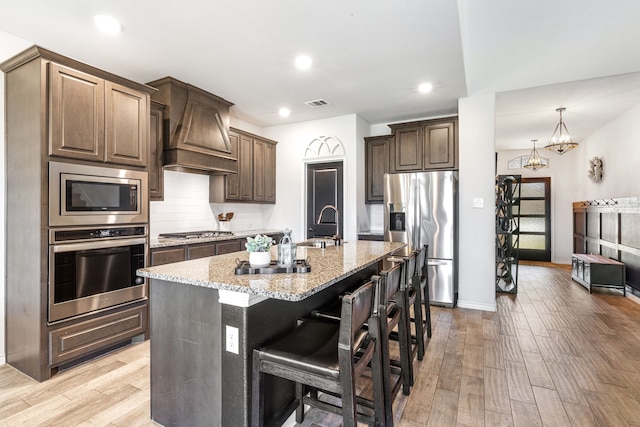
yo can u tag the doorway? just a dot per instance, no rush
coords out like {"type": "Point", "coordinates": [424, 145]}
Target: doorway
{"type": "Point", "coordinates": [324, 188]}
{"type": "Point", "coordinates": [535, 219]}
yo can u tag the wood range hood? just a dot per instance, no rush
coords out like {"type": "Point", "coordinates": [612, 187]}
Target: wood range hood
{"type": "Point", "coordinates": [197, 125]}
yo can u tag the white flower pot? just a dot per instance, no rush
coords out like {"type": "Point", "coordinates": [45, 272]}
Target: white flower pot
{"type": "Point", "coordinates": [259, 259]}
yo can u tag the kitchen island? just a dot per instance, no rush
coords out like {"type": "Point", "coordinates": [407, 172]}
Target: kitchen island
{"type": "Point", "coordinates": [205, 321]}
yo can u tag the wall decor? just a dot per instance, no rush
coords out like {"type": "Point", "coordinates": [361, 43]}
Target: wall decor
{"type": "Point", "coordinates": [595, 169]}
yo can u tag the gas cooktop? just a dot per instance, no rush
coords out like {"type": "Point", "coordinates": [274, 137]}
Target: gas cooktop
{"type": "Point", "coordinates": [195, 234]}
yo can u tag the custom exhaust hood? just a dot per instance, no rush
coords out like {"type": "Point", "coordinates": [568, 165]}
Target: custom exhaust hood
{"type": "Point", "coordinates": [198, 129]}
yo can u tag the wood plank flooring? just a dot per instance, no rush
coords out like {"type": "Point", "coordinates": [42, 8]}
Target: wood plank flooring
{"type": "Point", "coordinates": [552, 355]}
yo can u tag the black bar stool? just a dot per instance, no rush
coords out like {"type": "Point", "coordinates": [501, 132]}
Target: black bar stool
{"type": "Point", "coordinates": [328, 356]}
{"type": "Point", "coordinates": [391, 302]}
{"type": "Point", "coordinates": [411, 287]}
{"type": "Point", "coordinates": [423, 273]}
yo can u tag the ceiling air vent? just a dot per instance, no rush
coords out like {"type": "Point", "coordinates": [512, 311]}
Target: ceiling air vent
{"type": "Point", "coordinates": [316, 103]}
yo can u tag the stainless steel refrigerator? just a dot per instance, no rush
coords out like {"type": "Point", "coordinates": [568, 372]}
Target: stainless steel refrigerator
{"type": "Point", "coordinates": [422, 208]}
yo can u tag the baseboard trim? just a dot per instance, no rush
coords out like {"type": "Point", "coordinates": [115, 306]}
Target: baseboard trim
{"type": "Point", "coordinates": [3, 359]}
{"type": "Point", "coordinates": [476, 306]}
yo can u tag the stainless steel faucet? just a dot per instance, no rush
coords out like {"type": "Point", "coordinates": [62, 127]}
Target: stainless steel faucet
{"type": "Point", "coordinates": [319, 221]}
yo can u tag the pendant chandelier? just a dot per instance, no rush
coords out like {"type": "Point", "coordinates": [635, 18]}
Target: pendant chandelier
{"type": "Point", "coordinates": [534, 162]}
{"type": "Point", "coordinates": [561, 141]}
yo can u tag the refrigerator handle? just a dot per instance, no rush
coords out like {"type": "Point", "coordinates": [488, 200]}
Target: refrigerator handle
{"type": "Point", "coordinates": [416, 214]}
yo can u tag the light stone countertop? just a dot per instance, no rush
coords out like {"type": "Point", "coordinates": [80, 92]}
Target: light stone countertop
{"type": "Point", "coordinates": [328, 266]}
{"type": "Point", "coordinates": [155, 242]}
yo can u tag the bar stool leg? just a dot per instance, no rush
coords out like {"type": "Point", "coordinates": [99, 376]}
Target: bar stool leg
{"type": "Point", "coordinates": [419, 321]}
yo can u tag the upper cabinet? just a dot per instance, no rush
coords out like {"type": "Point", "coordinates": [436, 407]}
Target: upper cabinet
{"type": "Point", "coordinates": [376, 165]}
{"type": "Point", "coordinates": [413, 147]}
{"type": "Point", "coordinates": [425, 145]}
{"type": "Point", "coordinates": [95, 119]}
{"type": "Point", "coordinates": [255, 181]}
{"type": "Point", "coordinates": [156, 143]}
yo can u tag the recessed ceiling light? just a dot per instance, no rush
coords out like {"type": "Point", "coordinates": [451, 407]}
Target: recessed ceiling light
{"type": "Point", "coordinates": [425, 87]}
{"type": "Point", "coordinates": [284, 112]}
{"type": "Point", "coordinates": [107, 24]}
{"type": "Point", "coordinates": [303, 62]}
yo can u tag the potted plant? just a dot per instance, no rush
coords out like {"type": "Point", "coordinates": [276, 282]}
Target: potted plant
{"type": "Point", "coordinates": [258, 248]}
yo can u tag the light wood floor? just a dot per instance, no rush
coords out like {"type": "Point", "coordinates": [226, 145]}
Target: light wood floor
{"type": "Point", "coordinates": [552, 355]}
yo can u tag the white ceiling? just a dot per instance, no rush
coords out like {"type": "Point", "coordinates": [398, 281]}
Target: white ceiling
{"type": "Point", "coordinates": [369, 56]}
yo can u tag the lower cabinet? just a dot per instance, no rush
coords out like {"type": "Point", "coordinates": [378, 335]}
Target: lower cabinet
{"type": "Point", "coordinates": [168, 255]}
{"type": "Point", "coordinates": [71, 342]}
{"type": "Point", "coordinates": [229, 246]}
{"type": "Point", "coordinates": [201, 250]}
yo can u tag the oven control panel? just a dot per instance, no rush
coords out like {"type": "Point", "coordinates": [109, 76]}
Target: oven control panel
{"type": "Point", "coordinates": [97, 233]}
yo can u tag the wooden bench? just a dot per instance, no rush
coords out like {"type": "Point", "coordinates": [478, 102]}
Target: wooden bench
{"type": "Point", "coordinates": [597, 270]}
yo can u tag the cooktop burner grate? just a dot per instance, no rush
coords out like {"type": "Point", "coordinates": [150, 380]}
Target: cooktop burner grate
{"type": "Point", "coordinates": [195, 234]}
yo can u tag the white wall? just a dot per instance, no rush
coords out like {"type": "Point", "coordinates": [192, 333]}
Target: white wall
{"type": "Point", "coordinates": [476, 267]}
{"type": "Point", "coordinates": [9, 46]}
{"type": "Point", "coordinates": [293, 139]}
{"type": "Point", "coordinates": [565, 177]}
{"type": "Point", "coordinates": [618, 144]}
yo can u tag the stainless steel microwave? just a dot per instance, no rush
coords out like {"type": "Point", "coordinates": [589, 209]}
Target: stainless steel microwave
{"type": "Point", "coordinates": [96, 195]}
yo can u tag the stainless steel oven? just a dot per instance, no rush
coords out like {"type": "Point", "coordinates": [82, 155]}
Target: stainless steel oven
{"type": "Point", "coordinates": [95, 268]}
{"type": "Point", "coordinates": [95, 195]}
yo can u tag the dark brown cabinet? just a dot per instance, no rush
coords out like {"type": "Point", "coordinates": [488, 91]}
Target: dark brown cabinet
{"type": "Point", "coordinates": [96, 119]}
{"type": "Point", "coordinates": [226, 247]}
{"type": "Point", "coordinates": [201, 250]}
{"type": "Point", "coordinates": [425, 145]}
{"type": "Point", "coordinates": [376, 165]}
{"type": "Point", "coordinates": [184, 252]}
{"type": "Point", "coordinates": [168, 255]}
{"type": "Point", "coordinates": [264, 173]}
{"type": "Point", "coordinates": [156, 144]}
{"type": "Point", "coordinates": [255, 181]}
{"type": "Point", "coordinates": [58, 108]}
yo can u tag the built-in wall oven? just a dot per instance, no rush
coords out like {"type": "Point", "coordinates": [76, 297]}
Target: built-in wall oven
{"type": "Point", "coordinates": [93, 269]}
{"type": "Point", "coordinates": [98, 238]}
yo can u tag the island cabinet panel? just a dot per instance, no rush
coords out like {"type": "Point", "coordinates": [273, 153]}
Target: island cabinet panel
{"type": "Point", "coordinates": [96, 119]}
{"type": "Point", "coordinates": [77, 114]}
{"type": "Point", "coordinates": [186, 383]}
{"type": "Point", "coordinates": [168, 255]}
{"type": "Point", "coordinates": [156, 145]}
{"type": "Point", "coordinates": [255, 181]}
{"type": "Point", "coordinates": [376, 165]}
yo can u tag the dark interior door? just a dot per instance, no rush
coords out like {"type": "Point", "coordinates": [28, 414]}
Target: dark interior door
{"type": "Point", "coordinates": [535, 219]}
{"type": "Point", "coordinates": [324, 188]}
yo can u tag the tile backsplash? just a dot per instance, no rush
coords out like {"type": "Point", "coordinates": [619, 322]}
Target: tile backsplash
{"type": "Point", "coordinates": [186, 207]}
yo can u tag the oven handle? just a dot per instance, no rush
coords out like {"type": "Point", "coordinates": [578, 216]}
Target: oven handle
{"type": "Point", "coordinates": [102, 244]}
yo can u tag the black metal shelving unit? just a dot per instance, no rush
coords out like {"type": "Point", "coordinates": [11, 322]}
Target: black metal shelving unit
{"type": "Point", "coordinates": [507, 232]}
